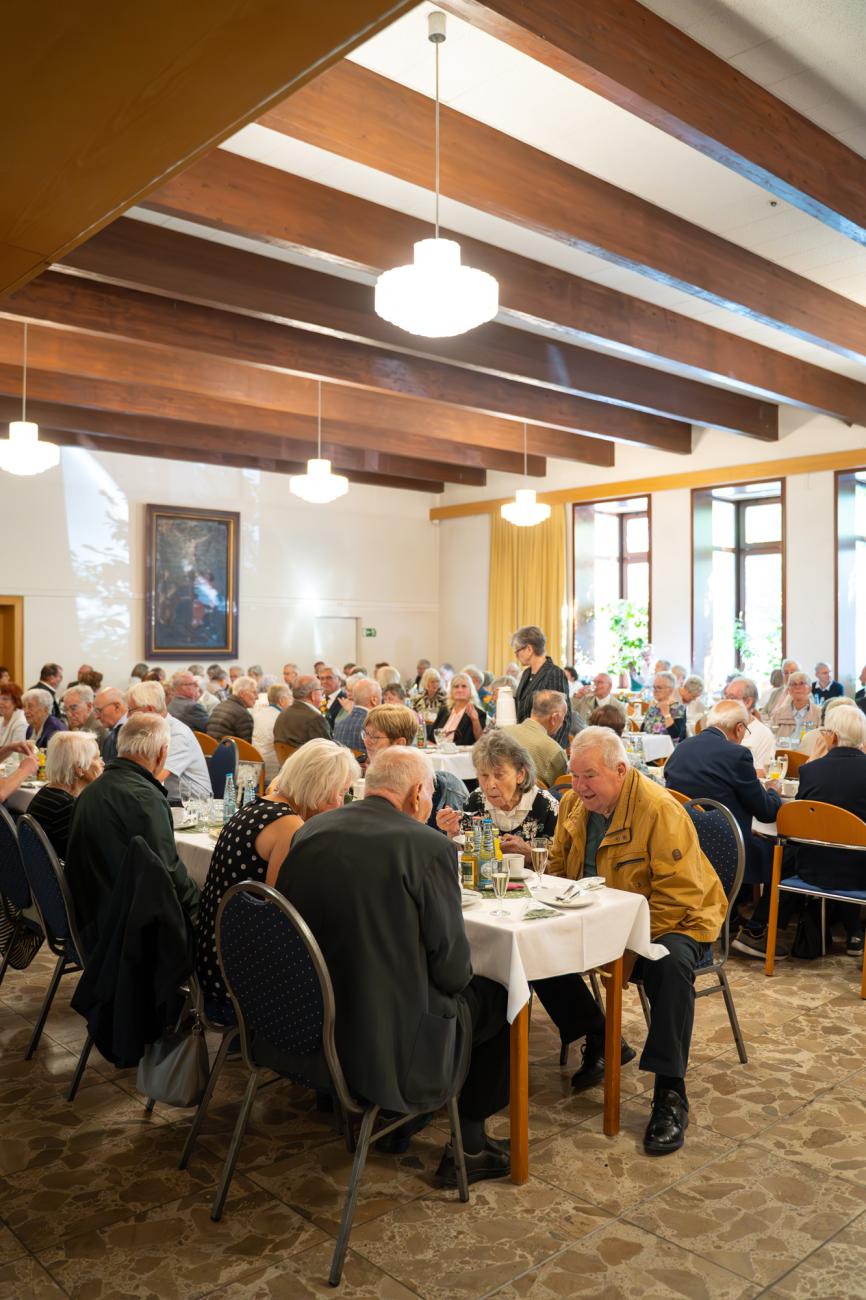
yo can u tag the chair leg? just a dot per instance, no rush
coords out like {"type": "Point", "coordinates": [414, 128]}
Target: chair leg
{"type": "Point", "coordinates": [79, 1069]}
{"type": "Point", "coordinates": [563, 1052]}
{"type": "Point", "coordinates": [16, 930]}
{"type": "Point", "coordinates": [352, 1195]}
{"type": "Point", "coordinates": [863, 978]}
{"type": "Point", "coordinates": [199, 1117]}
{"type": "Point", "coordinates": [59, 969]}
{"type": "Point", "coordinates": [644, 1002]}
{"type": "Point", "coordinates": [823, 927]}
{"type": "Point", "coordinates": [732, 1016]}
{"type": "Point", "coordinates": [237, 1137]}
{"type": "Point", "coordinates": [773, 919]}
{"type": "Point", "coordinates": [596, 990]}
{"type": "Point", "coordinates": [457, 1143]}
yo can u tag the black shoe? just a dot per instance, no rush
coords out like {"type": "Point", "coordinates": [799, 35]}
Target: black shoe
{"type": "Point", "coordinates": [669, 1120]}
{"type": "Point", "coordinates": [854, 945]}
{"type": "Point", "coordinates": [396, 1143]}
{"type": "Point", "coordinates": [493, 1162]}
{"type": "Point", "coordinates": [591, 1070]}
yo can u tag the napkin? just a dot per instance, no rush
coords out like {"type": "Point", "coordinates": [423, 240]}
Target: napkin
{"type": "Point", "coordinates": [536, 913]}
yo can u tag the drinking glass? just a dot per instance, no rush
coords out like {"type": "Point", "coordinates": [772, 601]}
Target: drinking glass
{"type": "Point", "coordinates": [539, 854]}
{"type": "Point", "coordinates": [777, 767]}
{"type": "Point", "coordinates": [439, 736]}
{"type": "Point", "coordinates": [500, 885]}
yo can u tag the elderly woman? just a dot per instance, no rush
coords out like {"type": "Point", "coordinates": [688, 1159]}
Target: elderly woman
{"type": "Point", "coordinates": [72, 763]}
{"type": "Point", "coordinates": [508, 794]}
{"type": "Point", "coordinates": [540, 673]}
{"type": "Point", "coordinates": [692, 696]}
{"type": "Point", "coordinates": [253, 844]}
{"type": "Point", "coordinates": [13, 724]}
{"type": "Point", "coordinates": [461, 717]}
{"type": "Point", "coordinates": [430, 700]}
{"type": "Point", "coordinates": [665, 714]}
{"type": "Point", "coordinates": [394, 694]}
{"type": "Point", "coordinates": [41, 723]}
{"type": "Point", "coordinates": [389, 725]}
{"type": "Point", "coordinates": [796, 713]}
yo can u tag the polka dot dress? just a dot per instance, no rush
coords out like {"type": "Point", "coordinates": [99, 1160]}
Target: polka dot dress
{"type": "Point", "coordinates": [234, 859]}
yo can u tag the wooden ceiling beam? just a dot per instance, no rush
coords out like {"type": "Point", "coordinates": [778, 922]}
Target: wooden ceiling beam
{"type": "Point", "coordinates": [138, 255]}
{"type": "Point", "coordinates": [164, 83]}
{"type": "Point", "coordinates": [624, 52]}
{"type": "Point", "coordinates": [110, 311]}
{"type": "Point", "coordinates": [358, 114]}
{"type": "Point", "coordinates": [226, 192]}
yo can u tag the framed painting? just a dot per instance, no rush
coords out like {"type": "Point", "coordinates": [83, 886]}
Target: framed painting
{"type": "Point", "coordinates": [191, 583]}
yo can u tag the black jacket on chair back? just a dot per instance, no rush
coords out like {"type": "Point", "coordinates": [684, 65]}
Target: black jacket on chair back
{"type": "Point", "coordinates": [838, 778]}
{"type": "Point", "coordinates": [380, 893]}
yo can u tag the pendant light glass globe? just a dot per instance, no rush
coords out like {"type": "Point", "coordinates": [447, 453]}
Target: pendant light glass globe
{"type": "Point", "coordinates": [524, 511]}
{"type": "Point", "coordinates": [22, 452]}
{"type": "Point", "coordinates": [318, 486]}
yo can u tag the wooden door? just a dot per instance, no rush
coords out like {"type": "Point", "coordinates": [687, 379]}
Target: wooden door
{"type": "Point", "coordinates": [12, 636]}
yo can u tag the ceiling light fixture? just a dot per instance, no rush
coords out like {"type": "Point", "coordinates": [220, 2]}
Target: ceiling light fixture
{"type": "Point", "coordinates": [436, 296]}
{"type": "Point", "coordinates": [318, 486]}
{"type": "Point", "coordinates": [524, 511]}
{"type": "Point", "coordinates": [22, 452]}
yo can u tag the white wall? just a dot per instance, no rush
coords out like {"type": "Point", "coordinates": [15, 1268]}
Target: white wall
{"type": "Point", "coordinates": [73, 546]}
{"type": "Point", "coordinates": [464, 566]}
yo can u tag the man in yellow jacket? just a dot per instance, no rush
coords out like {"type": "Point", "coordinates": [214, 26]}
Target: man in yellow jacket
{"type": "Point", "coordinates": [619, 824]}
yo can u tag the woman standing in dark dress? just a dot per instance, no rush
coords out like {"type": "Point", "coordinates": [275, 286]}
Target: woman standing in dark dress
{"type": "Point", "coordinates": [540, 673]}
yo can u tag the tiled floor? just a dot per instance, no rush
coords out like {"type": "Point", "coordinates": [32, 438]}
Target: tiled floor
{"type": "Point", "coordinates": [768, 1197]}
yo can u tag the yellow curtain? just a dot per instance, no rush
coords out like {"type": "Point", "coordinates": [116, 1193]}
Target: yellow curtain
{"type": "Point", "coordinates": [527, 584]}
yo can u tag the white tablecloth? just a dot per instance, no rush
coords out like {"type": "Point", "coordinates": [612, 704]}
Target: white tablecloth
{"type": "Point", "coordinates": [20, 800]}
{"type": "Point", "coordinates": [195, 850]}
{"type": "Point", "coordinates": [459, 764]}
{"type": "Point", "coordinates": [653, 746]}
{"type": "Point", "coordinates": [515, 952]}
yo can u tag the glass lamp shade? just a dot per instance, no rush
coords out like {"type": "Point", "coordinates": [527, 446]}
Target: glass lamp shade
{"type": "Point", "coordinates": [436, 296]}
{"type": "Point", "coordinates": [318, 486]}
{"type": "Point", "coordinates": [524, 511]}
{"type": "Point", "coordinates": [23, 453]}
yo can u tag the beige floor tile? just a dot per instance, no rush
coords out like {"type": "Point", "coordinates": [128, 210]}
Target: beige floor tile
{"type": "Point", "coordinates": [752, 1212]}
{"type": "Point", "coordinates": [829, 1134]}
{"type": "Point", "coordinates": [737, 1101]}
{"type": "Point", "coordinates": [445, 1250]}
{"type": "Point", "coordinates": [614, 1172]}
{"type": "Point", "coordinates": [10, 1246]}
{"type": "Point", "coordinates": [622, 1263]}
{"type": "Point", "coordinates": [26, 1279]}
{"type": "Point", "coordinates": [838, 1268]}
{"type": "Point", "coordinates": [177, 1252]}
{"type": "Point", "coordinates": [51, 1061]}
{"type": "Point", "coordinates": [304, 1277]}
{"type": "Point", "coordinates": [283, 1122]}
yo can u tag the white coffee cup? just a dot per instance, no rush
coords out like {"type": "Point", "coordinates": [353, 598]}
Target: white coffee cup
{"type": "Point", "coordinates": [358, 789]}
{"type": "Point", "coordinates": [790, 788]}
{"type": "Point", "coordinates": [515, 864]}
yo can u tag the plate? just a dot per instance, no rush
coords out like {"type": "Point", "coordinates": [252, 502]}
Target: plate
{"type": "Point", "coordinates": [469, 900]}
{"type": "Point", "coordinates": [549, 897]}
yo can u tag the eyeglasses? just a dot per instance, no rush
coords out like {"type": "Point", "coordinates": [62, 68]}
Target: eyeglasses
{"type": "Point", "coordinates": [372, 736]}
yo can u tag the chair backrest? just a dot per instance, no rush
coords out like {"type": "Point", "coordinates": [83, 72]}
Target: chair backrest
{"type": "Point", "coordinates": [721, 842]}
{"type": "Point", "coordinates": [13, 881]}
{"type": "Point", "coordinates": [699, 726]}
{"type": "Point", "coordinates": [682, 798]}
{"type": "Point", "coordinates": [277, 979]}
{"type": "Point", "coordinates": [207, 743]}
{"type": "Point", "coordinates": [49, 888]}
{"type": "Point", "coordinates": [795, 760]}
{"type": "Point", "coordinates": [820, 823]}
{"type": "Point", "coordinates": [252, 759]}
{"type": "Point", "coordinates": [284, 751]}
{"type": "Point", "coordinates": [220, 763]}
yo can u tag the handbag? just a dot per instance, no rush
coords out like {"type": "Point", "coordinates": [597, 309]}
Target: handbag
{"type": "Point", "coordinates": [175, 1069]}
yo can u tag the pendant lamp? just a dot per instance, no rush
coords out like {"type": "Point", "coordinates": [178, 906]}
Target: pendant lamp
{"type": "Point", "coordinates": [524, 511]}
{"type": "Point", "coordinates": [318, 486]}
{"type": "Point", "coordinates": [436, 296]}
{"type": "Point", "coordinates": [22, 452]}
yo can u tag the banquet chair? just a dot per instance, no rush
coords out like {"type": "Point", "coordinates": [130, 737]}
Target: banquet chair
{"type": "Point", "coordinates": [795, 761]}
{"type": "Point", "coordinates": [14, 887]}
{"type": "Point", "coordinates": [227, 1032]}
{"type": "Point", "coordinates": [57, 914]}
{"type": "Point", "coordinates": [681, 798]}
{"type": "Point", "coordinates": [222, 763]}
{"type": "Point", "coordinates": [822, 825]}
{"type": "Point", "coordinates": [284, 751]}
{"type": "Point", "coordinates": [248, 754]}
{"type": "Point", "coordinates": [283, 998]}
{"type": "Point", "coordinates": [207, 743]}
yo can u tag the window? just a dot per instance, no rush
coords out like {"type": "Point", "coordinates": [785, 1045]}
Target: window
{"type": "Point", "coordinates": [611, 564]}
{"type": "Point", "coordinates": [851, 573]}
{"type": "Point", "coordinates": [738, 580]}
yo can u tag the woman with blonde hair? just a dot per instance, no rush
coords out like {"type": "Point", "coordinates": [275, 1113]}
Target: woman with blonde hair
{"type": "Point", "coordinates": [461, 717]}
{"type": "Point", "coordinates": [72, 762]}
{"type": "Point", "coordinates": [430, 699]}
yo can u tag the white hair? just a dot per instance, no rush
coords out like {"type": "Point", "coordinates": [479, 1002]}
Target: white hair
{"type": "Point", "coordinates": [40, 698]}
{"type": "Point", "coordinates": [397, 769]}
{"type": "Point", "coordinates": [800, 679]}
{"type": "Point", "coordinates": [146, 695]}
{"type": "Point", "coordinates": [467, 681]}
{"type": "Point", "coordinates": [694, 684]}
{"type": "Point", "coordinates": [316, 775]}
{"type": "Point", "coordinates": [474, 672]}
{"type": "Point", "coordinates": [84, 693]}
{"type": "Point", "coordinates": [69, 755]}
{"type": "Point", "coordinates": [607, 742]}
{"type": "Point", "coordinates": [144, 735]}
{"type": "Point", "coordinates": [848, 724]}
{"type": "Point", "coordinates": [428, 676]}
{"type": "Point", "coordinates": [666, 677]}
{"type": "Point", "coordinates": [727, 715]}
{"type": "Point", "coordinates": [388, 675]}
{"type": "Point", "coordinates": [366, 690]}
{"type": "Point", "coordinates": [244, 684]}
{"type": "Point", "coordinates": [279, 691]}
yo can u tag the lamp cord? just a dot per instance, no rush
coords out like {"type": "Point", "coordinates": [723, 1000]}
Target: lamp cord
{"type": "Point", "coordinates": [525, 462]}
{"type": "Point", "coordinates": [436, 185]}
{"type": "Point", "coordinates": [319, 418]}
{"type": "Point", "coordinates": [24, 379]}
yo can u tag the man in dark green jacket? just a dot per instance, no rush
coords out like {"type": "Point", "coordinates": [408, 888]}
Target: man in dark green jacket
{"type": "Point", "coordinates": [127, 800]}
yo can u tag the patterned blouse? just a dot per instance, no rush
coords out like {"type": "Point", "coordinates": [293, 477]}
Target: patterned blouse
{"type": "Point", "coordinates": [234, 859]}
{"type": "Point", "coordinates": [654, 721]}
{"type": "Point", "coordinates": [533, 818]}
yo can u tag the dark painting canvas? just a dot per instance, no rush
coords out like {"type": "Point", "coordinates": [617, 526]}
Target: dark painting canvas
{"type": "Point", "coordinates": [192, 566]}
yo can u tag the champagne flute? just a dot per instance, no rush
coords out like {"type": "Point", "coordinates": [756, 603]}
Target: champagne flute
{"type": "Point", "coordinates": [500, 885]}
{"type": "Point", "coordinates": [539, 855]}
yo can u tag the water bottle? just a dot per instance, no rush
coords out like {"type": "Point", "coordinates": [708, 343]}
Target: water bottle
{"type": "Point", "coordinates": [229, 799]}
{"type": "Point", "coordinates": [249, 794]}
{"type": "Point", "coordinates": [421, 736]}
{"type": "Point", "coordinates": [487, 856]}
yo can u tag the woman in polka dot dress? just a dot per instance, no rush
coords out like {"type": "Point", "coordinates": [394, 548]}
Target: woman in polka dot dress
{"type": "Point", "coordinates": [254, 843]}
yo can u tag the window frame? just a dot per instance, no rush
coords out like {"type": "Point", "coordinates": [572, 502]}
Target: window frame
{"type": "Point", "coordinates": [838, 475]}
{"type": "Point", "coordinates": [639, 557]}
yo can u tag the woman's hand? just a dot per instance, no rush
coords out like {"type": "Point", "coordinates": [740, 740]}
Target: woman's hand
{"type": "Point", "coordinates": [346, 703]}
{"type": "Point", "coordinates": [514, 844]}
{"type": "Point", "coordinates": [29, 765]}
{"type": "Point", "coordinates": [448, 820]}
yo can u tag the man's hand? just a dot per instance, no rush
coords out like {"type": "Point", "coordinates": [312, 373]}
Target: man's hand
{"type": "Point", "coordinates": [514, 844]}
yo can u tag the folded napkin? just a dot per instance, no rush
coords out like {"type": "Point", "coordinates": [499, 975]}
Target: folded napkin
{"type": "Point", "coordinates": [537, 913]}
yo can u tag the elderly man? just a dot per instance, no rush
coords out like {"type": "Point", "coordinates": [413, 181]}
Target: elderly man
{"type": "Point", "coordinates": [420, 669]}
{"type": "Point", "coordinates": [109, 709]}
{"type": "Point", "coordinates": [233, 716]}
{"type": "Point", "coordinates": [291, 673]}
{"type": "Point", "coordinates": [621, 825]}
{"type": "Point", "coordinates": [535, 734]}
{"type": "Point", "coordinates": [692, 696]}
{"type": "Point", "coordinates": [824, 687]}
{"type": "Point", "coordinates": [759, 739]}
{"type": "Point", "coordinates": [587, 699]}
{"type": "Point", "coordinates": [407, 1004]}
{"type": "Point", "coordinates": [796, 711]}
{"type": "Point", "coordinates": [49, 680]}
{"type": "Point", "coordinates": [332, 693]}
{"type": "Point", "coordinates": [185, 758]}
{"type": "Point", "coordinates": [185, 703]}
{"type": "Point", "coordinates": [78, 707]}
{"type": "Point", "coordinates": [303, 719]}
{"type": "Point", "coordinates": [127, 800]}
{"type": "Point", "coordinates": [349, 729]}
{"type": "Point", "coordinates": [215, 688]}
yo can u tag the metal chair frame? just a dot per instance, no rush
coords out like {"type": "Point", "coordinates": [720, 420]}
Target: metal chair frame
{"type": "Point", "coordinates": [352, 1109]}
{"type": "Point", "coordinates": [226, 743]}
{"type": "Point", "coordinates": [17, 891]}
{"type": "Point", "coordinates": [58, 943]}
{"type": "Point", "coordinates": [227, 1033]}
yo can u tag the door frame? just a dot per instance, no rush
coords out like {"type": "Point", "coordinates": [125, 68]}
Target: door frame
{"type": "Point", "coordinates": [16, 668]}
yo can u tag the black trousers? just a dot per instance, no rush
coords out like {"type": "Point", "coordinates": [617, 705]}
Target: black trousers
{"type": "Point", "coordinates": [485, 1089]}
{"type": "Point", "coordinates": [670, 988]}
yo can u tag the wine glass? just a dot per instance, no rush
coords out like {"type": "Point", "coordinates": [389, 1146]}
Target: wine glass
{"type": "Point", "coordinates": [539, 854]}
{"type": "Point", "coordinates": [500, 885]}
{"type": "Point", "coordinates": [439, 737]}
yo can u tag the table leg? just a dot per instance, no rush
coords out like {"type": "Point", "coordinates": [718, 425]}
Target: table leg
{"type": "Point", "coordinates": [519, 1066]}
{"type": "Point", "coordinates": [612, 1049]}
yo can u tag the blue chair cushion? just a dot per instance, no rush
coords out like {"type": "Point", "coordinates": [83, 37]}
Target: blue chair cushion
{"type": "Point", "coordinates": [794, 882]}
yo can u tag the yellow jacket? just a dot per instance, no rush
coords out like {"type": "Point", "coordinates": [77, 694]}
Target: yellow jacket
{"type": "Point", "coordinates": [651, 848]}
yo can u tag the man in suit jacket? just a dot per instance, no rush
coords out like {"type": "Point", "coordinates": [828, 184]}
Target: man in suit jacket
{"type": "Point", "coordinates": [49, 680]}
{"type": "Point", "coordinates": [332, 693]}
{"type": "Point", "coordinates": [303, 719]}
{"type": "Point", "coordinates": [717, 765]}
{"type": "Point", "coordinates": [379, 890]}
{"type": "Point", "coordinates": [185, 703]}
{"type": "Point", "coordinates": [109, 708]}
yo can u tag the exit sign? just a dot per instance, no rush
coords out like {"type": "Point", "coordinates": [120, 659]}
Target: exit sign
{"type": "Point", "coordinates": [368, 631]}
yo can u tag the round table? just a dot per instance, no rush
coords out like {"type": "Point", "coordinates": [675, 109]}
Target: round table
{"type": "Point", "coordinates": [459, 764]}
